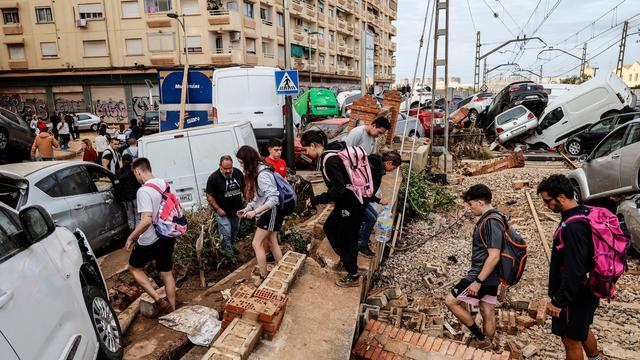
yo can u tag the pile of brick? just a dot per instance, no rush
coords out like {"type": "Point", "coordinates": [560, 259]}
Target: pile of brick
{"type": "Point", "coordinates": [251, 313]}
{"type": "Point", "coordinates": [385, 341]}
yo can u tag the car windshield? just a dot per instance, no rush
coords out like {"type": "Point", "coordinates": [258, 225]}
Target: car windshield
{"type": "Point", "coordinates": [511, 114]}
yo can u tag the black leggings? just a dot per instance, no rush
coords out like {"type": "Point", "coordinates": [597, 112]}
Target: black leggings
{"type": "Point", "coordinates": [343, 229]}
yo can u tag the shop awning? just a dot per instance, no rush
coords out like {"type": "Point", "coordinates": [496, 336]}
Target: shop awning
{"type": "Point", "coordinates": [300, 51]}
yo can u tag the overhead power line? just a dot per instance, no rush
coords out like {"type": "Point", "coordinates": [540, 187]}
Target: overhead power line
{"type": "Point", "coordinates": [497, 16]}
{"type": "Point", "coordinates": [590, 24]}
{"type": "Point", "coordinates": [475, 30]}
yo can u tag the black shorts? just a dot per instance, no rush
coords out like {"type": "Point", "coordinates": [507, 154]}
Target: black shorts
{"type": "Point", "coordinates": [486, 293]}
{"type": "Point", "coordinates": [575, 319]}
{"type": "Point", "coordinates": [161, 251]}
{"type": "Point", "coordinates": [272, 219]}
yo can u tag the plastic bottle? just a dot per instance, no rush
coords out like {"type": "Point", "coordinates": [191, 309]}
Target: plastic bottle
{"type": "Point", "coordinates": [384, 226]}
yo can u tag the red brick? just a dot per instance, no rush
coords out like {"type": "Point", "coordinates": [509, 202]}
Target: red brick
{"type": "Point", "coordinates": [478, 354]}
{"type": "Point", "coordinates": [487, 355]}
{"type": "Point", "coordinates": [460, 351]}
{"type": "Point", "coordinates": [387, 331]}
{"type": "Point", "coordinates": [243, 292]}
{"type": "Point", "coordinates": [400, 335]}
{"type": "Point", "coordinates": [383, 355]}
{"type": "Point", "coordinates": [423, 339]}
{"type": "Point", "coordinates": [394, 332]}
{"type": "Point", "coordinates": [407, 336]}
{"type": "Point", "coordinates": [373, 341]}
{"type": "Point", "coordinates": [436, 345]}
{"type": "Point", "coordinates": [452, 349]}
{"type": "Point", "coordinates": [429, 343]}
{"type": "Point", "coordinates": [359, 347]}
{"type": "Point", "coordinates": [272, 327]}
{"type": "Point", "coordinates": [414, 339]}
{"type": "Point", "coordinates": [272, 296]}
{"type": "Point", "coordinates": [468, 353]}
{"type": "Point", "coordinates": [505, 355]}
{"type": "Point", "coordinates": [370, 325]}
{"type": "Point", "coordinates": [398, 357]}
{"type": "Point", "coordinates": [444, 347]}
{"type": "Point", "coordinates": [376, 327]}
{"type": "Point", "coordinates": [390, 356]}
{"type": "Point", "coordinates": [369, 353]}
{"type": "Point", "coordinates": [376, 353]}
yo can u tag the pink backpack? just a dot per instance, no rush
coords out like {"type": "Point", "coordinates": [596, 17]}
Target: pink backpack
{"type": "Point", "coordinates": [610, 246]}
{"type": "Point", "coordinates": [356, 163]}
{"type": "Point", "coordinates": [170, 221]}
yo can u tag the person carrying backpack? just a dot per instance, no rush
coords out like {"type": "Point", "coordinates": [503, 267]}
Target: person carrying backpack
{"type": "Point", "coordinates": [161, 221]}
{"type": "Point", "coordinates": [268, 205]}
{"type": "Point", "coordinates": [480, 286]}
{"type": "Point", "coordinates": [347, 190]}
{"type": "Point", "coordinates": [577, 280]}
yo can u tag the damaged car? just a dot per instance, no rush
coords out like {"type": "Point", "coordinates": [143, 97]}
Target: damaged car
{"type": "Point", "coordinates": [526, 93]}
{"type": "Point", "coordinates": [629, 213]}
{"type": "Point", "coordinates": [514, 122]}
{"type": "Point", "coordinates": [584, 142]}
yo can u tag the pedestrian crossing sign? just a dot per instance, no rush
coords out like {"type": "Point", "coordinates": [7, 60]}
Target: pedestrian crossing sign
{"type": "Point", "coordinates": [287, 82]}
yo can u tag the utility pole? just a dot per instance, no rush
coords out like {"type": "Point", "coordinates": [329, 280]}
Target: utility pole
{"type": "Point", "coordinates": [441, 5]}
{"type": "Point", "coordinates": [623, 45]}
{"type": "Point", "coordinates": [476, 74]}
{"type": "Point", "coordinates": [363, 51]}
{"type": "Point", "coordinates": [540, 73]}
{"type": "Point", "coordinates": [583, 62]}
{"type": "Point", "coordinates": [484, 72]}
{"type": "Point", "coordinates": [289, 155]}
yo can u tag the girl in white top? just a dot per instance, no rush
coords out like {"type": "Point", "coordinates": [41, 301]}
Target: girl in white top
{"type": "Point", "coordinates": [64, 133]}
{"type": "Point", "coordinates": [102, 140]}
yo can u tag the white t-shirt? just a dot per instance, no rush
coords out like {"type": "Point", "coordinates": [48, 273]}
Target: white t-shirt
{"type": "Point", "coordinates": [360, 137]}
{"type": "Point", "coordinates": [148, 200]}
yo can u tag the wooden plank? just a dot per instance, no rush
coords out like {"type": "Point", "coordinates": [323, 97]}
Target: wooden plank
{"type": "Point", "coordinates": [534, 213]}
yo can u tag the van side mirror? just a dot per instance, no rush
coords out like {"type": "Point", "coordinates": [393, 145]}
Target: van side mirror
{"type": "Point", "coordinates": [36, 223]}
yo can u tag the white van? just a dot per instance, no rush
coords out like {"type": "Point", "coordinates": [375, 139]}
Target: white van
{"type": "Point", "coordinates": [554, 91]}
{"type": "Point", "coordinates": [186, 158]}
{"type": "Point", "coordinates": [248, 93]}
{"type": "Point", "coordinates": [581, 107]}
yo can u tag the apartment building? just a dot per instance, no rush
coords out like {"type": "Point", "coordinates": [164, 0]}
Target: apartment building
{"type": "Point", "coordinates": [84, 55]}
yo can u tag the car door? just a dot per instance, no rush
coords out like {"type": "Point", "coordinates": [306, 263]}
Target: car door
{"type": "Point", "coordinates": [34, 306]}
{"type": "Point", "coordinates": [6, 350]}
{"type": "Point", "coordinates": [593, 135]}
{"type": "Point", "coordinates": [629, 159]}
{"type": "Point", "coordinates": [603, 169]}
{"type": "Point", "coordinates": [102, 201]}
{"type": "Point", "coordinates": [84, 121]}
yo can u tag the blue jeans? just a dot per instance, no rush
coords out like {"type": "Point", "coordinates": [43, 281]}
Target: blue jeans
{"type": "Point", "coordinates": [369, 220]}
{"type": "Point", "coordinates": [228, 226]}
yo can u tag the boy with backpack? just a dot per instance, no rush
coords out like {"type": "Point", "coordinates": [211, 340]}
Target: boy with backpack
{"type": "Point", "coordinates": [577, 279]}
{"type": "Point", "coordinates": [161, 221]}
{"type": "Point", "coordinates": [491, 237]}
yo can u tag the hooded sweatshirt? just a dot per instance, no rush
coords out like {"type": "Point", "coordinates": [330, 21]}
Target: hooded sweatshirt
{"type": "Point", "coordinates": [266, 190]}
{"type": "Point", "coordinates": [44, 143]}
{"type": "Point", "coordinates": [336, 178]}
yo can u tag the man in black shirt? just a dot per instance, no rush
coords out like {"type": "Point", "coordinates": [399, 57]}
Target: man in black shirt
{"type": "Point", "coordinates": [572, 304]}
{"type": "Point", "coordinates": [480, 286]}
{"type": "Point", "coordinates": [224, 193]}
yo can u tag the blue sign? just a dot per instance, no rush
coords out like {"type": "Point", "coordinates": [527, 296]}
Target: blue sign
{"type": "Point", "coordinates": [199, 100]}
{"type": "Point", "coordinates": [287, 82]}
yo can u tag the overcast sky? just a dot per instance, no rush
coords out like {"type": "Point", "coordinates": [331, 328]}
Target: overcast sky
{"type": "Point", "coordinates": [569, 17]}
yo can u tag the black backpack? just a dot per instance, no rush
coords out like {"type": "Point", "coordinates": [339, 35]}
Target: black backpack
{"type": "Point", "coordinates": [513, 254]}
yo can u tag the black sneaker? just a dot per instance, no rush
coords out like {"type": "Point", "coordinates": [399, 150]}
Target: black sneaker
{"type": "Point", "coordinates": [270, 258]}
{"type": "Point", "coordinates": [349, 281]}
{"type": "Point", "coordinates": [366, 251]}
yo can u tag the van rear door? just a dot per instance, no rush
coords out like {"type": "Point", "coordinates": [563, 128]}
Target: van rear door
{"type": "Point", "coordinates": [622, 90]}
{"type": "Point", "coordinates": [170, 157]}
{"type": "Point", "coordinates": [265, 107]}
{"type": "Point", "coordinates": [231, 95]}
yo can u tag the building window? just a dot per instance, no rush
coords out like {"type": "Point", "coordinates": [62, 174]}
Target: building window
{"type": "Point", "coordinates": [194, 44]}
{"type": "Point", "coordinates": [44, 15]}
{"type": "Point", "coordinates": [321, 33]}
{"type": "Point", "coordinates": [130, 9]}
{"type": "Point", "coordinates": [321, 8]}
{"type": "Point", "coordinates": [251, 46]}
{"type": "Point", "coordinates": [331, 11]}
{"type": "Point", "coordinates": [134, 46]}
{"type": "Point", "coordinates": [10, 16]}
{"type": "Point", "coordinates": [161, 41]}
{"type": "Point", "coordinates": [155, 6]}
{"type": "Point", "coordinates": [16, 51]}
{"type": "Point", "coordinates": [281, 52]}
{"type": "Point", "coordinates": [265, 15]}
{"type": "Point", "coordinates": [280, 17]}
{"type": "Point", "coordinates": [219, 44]}
{"type": "Point", "coordinates": [321, 59]}
{"type": "Point", "coordinates": [95, 48]}
{"type": "Point", "coordinates": [49, 49]}
{"type": "Point", "coordinates": [90, 11]}
{"type": "Point", "coordinates": [332, 60]}
{"type": "Point", "coordinates": [232, 5]}
{"type": "Point", "coordinates": [190, 7]}
{"type": "Point", "coordinates": [248, 10]}
{"type": "Point", "coordinates": [332, 36]}
{"type": "Point", "coordinates": [267, 51]}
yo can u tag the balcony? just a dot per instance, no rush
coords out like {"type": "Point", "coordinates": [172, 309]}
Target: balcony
{"type": "Point", "coordinates": [268, 2]}
{"type": "Point", "coordinates": [280, 3]}
{"type": "Point", "coordinates": [342, 48]}
{"type": "Point", "coordinates": [343, 3]}
{"type": "Point", "coordinates": [280, 32]}
{"type": "Point", "coordinates": [12, 29]}
{"type": "Point", "coordinates": [225, 20]}
{"type": "Point", "coordinates": [342, 69]}
{"type": "Point", "coordinates": [310, 11]}
{"type": "Point", "coordinates": [393, 30]}
{"type": "Point", "coordinates": [21, 64]}
{"type": "Point", "coordinates": [297, 8]}
{"type": "Point", "coordinates": [251, 59]}
{"type": "Point", "coordinates": [342, 25]}
{"type": "Point", "coordinates": [393, 46]}
{"type": "Point", "coordinates": [299, 36]}
{"type": "Point", "coordinates": [331, 2]}
{"type": "Point", "coordinates": [163, 59]}
{"type": "Point", "coordinates": [226, 57]}
{"type": "Point", "coordinates": [299, 64]}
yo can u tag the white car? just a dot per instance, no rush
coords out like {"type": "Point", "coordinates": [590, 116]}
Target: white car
{"type": "Point", "coordinates": [514, 122]}
{"type": "Point", "coordinates": [88, 121]}
{"type": "Point", "coordinates": [476, 104]}
{"type": "Point", "coordinates": [418, 97]}
{"type": "Point", "coordinates": [53, 298]}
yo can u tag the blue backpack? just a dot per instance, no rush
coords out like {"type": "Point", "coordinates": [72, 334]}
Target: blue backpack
{"type": "Point", "coordinates": [286, 194]}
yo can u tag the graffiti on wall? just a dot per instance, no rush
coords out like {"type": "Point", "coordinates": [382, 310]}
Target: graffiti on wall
{"type": "Point", "coordinates": [111, 109]}
{"type": "Point", "coordinates": [70, 106]}
{"type": "Point", "coordinates": [141, 104]}
{"type": "Point", "coordinates": [19, 104]}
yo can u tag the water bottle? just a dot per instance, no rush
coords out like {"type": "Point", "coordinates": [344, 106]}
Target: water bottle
{"type": "Point", "coordinates": [384, 225]}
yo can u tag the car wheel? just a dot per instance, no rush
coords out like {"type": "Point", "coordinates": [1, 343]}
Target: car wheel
{"type": "Point", "coordinates": [578, 191]}
{"type": "Point", "coordinates": [4, 139]}
{"type": "Point", "coordinates": [574, 148]}
{"type": "Point", "coordinates": [412, 133]}
{"type": "Point", "coordinates": [473, 116]}
{"type": "Point", "coordinates": [105, 323]}
{"type": "Point", "coordinates": [94, 127]}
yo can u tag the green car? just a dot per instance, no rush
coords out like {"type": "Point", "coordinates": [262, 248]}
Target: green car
{"type": "Point", "coordinates": [317, 103]}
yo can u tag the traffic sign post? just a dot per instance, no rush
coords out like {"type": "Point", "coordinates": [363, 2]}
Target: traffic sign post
{"type": "Point", "coordinates": [287, 84]}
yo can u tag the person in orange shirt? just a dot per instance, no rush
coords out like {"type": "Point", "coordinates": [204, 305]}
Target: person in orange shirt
{"type": "Point", "coordinates": [275, 152]}
{"type": "Point", "coordinates": [44, 144]}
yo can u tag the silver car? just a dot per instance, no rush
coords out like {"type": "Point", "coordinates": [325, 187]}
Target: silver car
{"type": "Point", "coordinates": [88, 121]}
{"type": "Point", "coordinates": [629, 210]}
{"type": "Point", "coordinates": [613, 167]}
{"type": "Point", "coordinates": [409, 125]}
{"type": "Point", "coordinates": [77, 194]}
